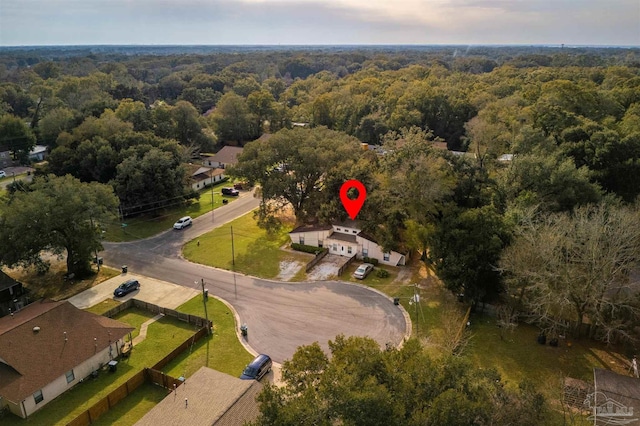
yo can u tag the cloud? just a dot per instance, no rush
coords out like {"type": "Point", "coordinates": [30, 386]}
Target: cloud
{"type": "Point", "coordinates": [319, 22]}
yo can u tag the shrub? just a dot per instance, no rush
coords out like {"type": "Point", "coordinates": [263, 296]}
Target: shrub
{"type": "Point", "coordinates": [307, 249]}
{"type": "Point", "coordinates": [382, 273]}
{"type": "Point", "coordinates": [370, 260]}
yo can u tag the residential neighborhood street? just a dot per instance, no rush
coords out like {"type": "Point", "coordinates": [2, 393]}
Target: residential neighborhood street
{"type": "Point", "coordinates": [280, 316]}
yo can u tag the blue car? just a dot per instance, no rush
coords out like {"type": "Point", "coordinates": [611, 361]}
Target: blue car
{"type": "Point", "coordinates": [260, 366]}
{"type": "Point", "coordinates": [126, 288]}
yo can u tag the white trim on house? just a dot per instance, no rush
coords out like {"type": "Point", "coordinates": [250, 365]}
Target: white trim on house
{"type": "Point", "coordinates": [346, 240]}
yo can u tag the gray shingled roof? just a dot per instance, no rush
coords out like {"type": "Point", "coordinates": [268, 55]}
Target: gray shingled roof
{"type": "Point", "coordinates": [214, 398]}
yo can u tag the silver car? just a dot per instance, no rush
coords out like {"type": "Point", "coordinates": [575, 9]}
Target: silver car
{"type": "Point", "coordinates": [362, 271]}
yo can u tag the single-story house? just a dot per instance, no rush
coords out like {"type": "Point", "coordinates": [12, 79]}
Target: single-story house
{"type": "Point", "coordinates": [38, 153]}
{"type": "Point", "coordinates": [227, 156]}
{"type": "Point", "coordinates": [205, 176]}
{"type": "Point", "coordinates": [345, 239]}
{"type": "Point", "coordinates": [48, 347]}
{"type": "Point", "coordinates": [12, 295]}
{"type": "Point", "coordinates": [5, 157]}
{"type": "Point", "coordinates": [207, 398]}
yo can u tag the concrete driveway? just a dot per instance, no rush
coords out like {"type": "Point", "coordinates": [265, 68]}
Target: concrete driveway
{"type": "Point", "coordinates": [154, 291]}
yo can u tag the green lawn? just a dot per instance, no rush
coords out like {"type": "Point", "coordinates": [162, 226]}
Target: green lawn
{"type": "Point", "coordinates": [146, 226]}
{"type": "Point", "coordinates": [163, 336]}
{"type": "Point", "coordinates": [134, 406]}
{"type": "Point", "coordinates": [222, 351]}
{"type": "Point", "coordinates": [518, 356]}
{"type": "Point", "coordinates": [257, 252]}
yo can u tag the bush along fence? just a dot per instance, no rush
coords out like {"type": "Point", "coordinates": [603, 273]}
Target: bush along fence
{"type": "Point", "coordinates": [149, 375]}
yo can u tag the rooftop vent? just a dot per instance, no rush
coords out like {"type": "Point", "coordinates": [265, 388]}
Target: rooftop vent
{"type": "Point", "coordinates": [36, 329]}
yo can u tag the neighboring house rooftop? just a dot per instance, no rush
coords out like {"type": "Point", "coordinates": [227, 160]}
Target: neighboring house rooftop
{"type": "Point", "coordinates": [310, 228]}
{"type": "Point", "coordinates": [6, 281]}
{"type": "Point", "coordinates": [350, 238]}
{"type": "Point", "coordinates": [213, 398]}
{"type": "Point", "coordinates": [38, 149]}
{"type": "Point", "coordinates": [31, 358]}
{"type": "Point", "coordinates": [623, 389]}
{"type": "Point", "coordinates": [228, 155]}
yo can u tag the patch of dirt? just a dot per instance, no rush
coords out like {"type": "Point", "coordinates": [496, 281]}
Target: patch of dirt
{"type": "Point", "coordinates": [288, 269]}
{"type": "Point", "coordinates": [323, 271]}
{"type": "Point", "coordinates": [53, 285]}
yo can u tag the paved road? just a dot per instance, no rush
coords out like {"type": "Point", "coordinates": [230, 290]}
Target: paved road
{"type": "Point", "coordinates": [280, 316]}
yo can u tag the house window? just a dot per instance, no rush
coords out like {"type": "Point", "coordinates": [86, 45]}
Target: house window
{"type": "Point", "coordinates": [365, 252]}
{"type": "Point", "coordinates": [319, 243]}
{"type": "Point", "coordinates": [335, 247]}
{"type": "Point", "coordinates": [38, 396]}
{"type": "Point", "coordinates": [70, 376]}
{"type": "Point", "coordinates": [355, 232]}
{"type": "Point", "coordinates": [301, 239]}
{"type": "Point", "coordinates": [349, 250]}
{"type": "Point", "coordinates": [338, 229]}
{"type": "Point", "coordinates": [385, 257]}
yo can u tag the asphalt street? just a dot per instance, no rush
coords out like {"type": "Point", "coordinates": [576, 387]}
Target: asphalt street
{"type": "Point", "coordinates": [280, 316]}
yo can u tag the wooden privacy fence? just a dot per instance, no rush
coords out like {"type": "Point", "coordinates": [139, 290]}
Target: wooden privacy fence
{"type": "Point", "coordinates": [184, 346]}
{"type": "Point", "coordinates": [191, 319]}
{"type": "Point", "coordinates": [99, 408]}
{"type": "Point", "coordinates": [152, 375]}
{"type": "Point", "coordinates": [315, 260]}
{"type": "Point", "coordinates": [343, 267]}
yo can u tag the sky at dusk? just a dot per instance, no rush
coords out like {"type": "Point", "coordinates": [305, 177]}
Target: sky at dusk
{"type": "Point", "coordinates": [296, 22]}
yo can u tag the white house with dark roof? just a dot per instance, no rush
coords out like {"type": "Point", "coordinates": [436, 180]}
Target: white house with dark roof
{"type": "Point", "coordinates": [345, 239]}
{"type": "Point", "coordinates": [48, 347]}
{"type": "Point", "coordinates": [227, 156]}
{"type": "Point", "coordinates": [201, 177]}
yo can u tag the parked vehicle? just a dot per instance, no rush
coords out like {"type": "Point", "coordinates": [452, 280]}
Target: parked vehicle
{"type": "Point", "coordinates": [260, 366]}
{"type": "Point", "coordinates": [3, 174]}
{"type": "Point", "coordinates": [183, 222]}
{"type": "Point", "coordinates": [126, 288]}
{"type": "Point", "coordinates": [362, 271]}
{"type": "Point", "coordinates": [230, 191]}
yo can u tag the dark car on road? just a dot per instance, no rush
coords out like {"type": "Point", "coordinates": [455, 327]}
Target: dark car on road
{"type": "Point", "coordinates": [260, 366]}
{"type": "Point", "coordinates": [126, 288]}
{"type": "Point", "coordinates": [230, 191]}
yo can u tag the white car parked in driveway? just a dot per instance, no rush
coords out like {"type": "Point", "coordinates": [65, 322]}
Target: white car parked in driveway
{"type": "Point", "coordinates": [362, 271]}
{"type": "Point", "coordinates": [183, 222]}
{"type": "Point", "coordinates": [3, 174]}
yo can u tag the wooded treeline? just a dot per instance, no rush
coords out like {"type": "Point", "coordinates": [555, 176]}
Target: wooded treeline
{"type": "Point", "coordinates": [568, 118]}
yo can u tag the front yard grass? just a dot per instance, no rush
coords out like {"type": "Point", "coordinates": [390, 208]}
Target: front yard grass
{"type": "Point", "coordinates": [163, 336]}
{"type": "Point", "coordinates": [145, 226]}
{"type": "Point", "coordinates": [257, 252]}
{"type": "Point", "coordinates": [222, 351]}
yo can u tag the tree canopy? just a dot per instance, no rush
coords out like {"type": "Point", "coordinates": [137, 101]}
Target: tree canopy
{"type": "Point", "coordinates": [297, 166]}
{"type": "Point", "coordinates": [360, 384]}
{"type": "Point", "coordinates": [57, 214]}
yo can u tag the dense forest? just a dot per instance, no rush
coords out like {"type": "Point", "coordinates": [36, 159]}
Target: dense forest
{"type": "Point", "coordinates": [550, 136]}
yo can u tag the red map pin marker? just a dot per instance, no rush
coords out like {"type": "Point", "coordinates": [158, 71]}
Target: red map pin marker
{"type": "Point", "coordinates": [353, 206]}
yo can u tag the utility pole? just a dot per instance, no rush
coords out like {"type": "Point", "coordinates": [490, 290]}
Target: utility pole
{"type": "Point", "coordinates": [212, 206]}
{"type": "Point", "coordinates": [205, 296]}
